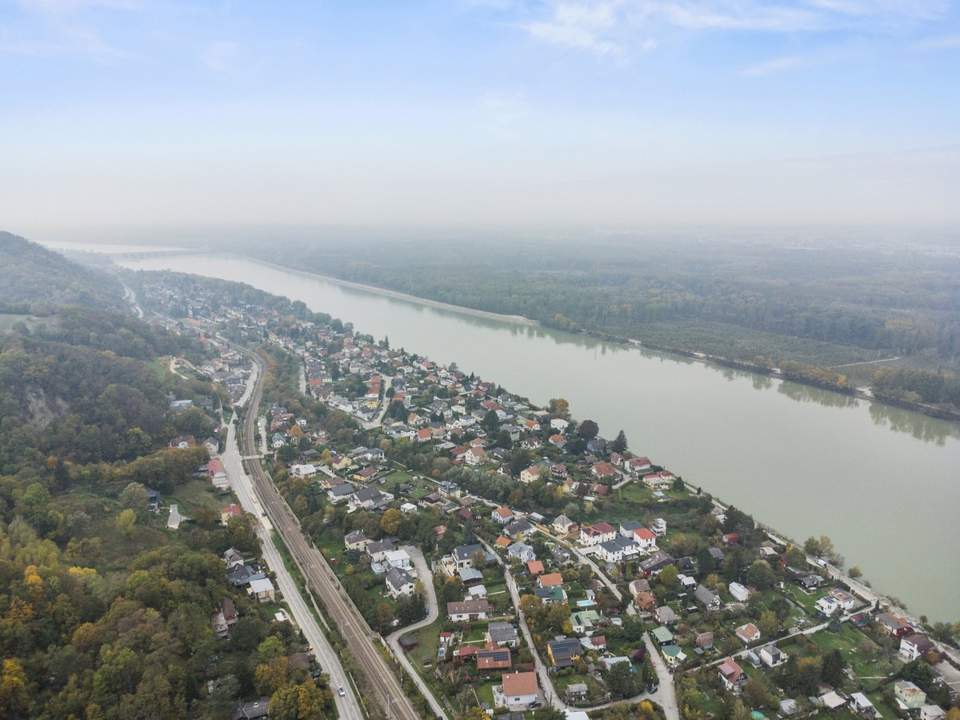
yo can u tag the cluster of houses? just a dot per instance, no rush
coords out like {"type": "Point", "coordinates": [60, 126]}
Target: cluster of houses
{"type": "Point", "coordinates": [248, 576]}
{"type": "Point", "coordinates": [387, 560]}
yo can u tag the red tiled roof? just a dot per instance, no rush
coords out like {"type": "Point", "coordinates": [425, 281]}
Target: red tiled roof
{"type": "Point", "coordinates": [520, 683]}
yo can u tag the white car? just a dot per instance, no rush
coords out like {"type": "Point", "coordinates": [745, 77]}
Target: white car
{"type": "Point", "coordinates": [341, 692]}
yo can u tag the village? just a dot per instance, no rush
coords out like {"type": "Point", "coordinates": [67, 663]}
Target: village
{"type": "Point", "coordinates": [516, 559]}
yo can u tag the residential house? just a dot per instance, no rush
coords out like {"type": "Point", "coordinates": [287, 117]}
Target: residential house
{"type": "Point", "coordinates": [465, 556]}
{"type": "Point", "coordinates": [704, 641]}
{"type": "Point", "coordinates": [772, 656]}
{"type": "Point", "coordinates": [563, 651]}
{"type": "Point", "coordinates": [535, 567]}
{"type": "Point", "coordinates": [645, 601]}
{"type": "Point", "coordinates": [518, 691]}
{"type": "Point", "coordinates": [862, 706]}
{"type": "Point", "coordinates": [502, 635]}
{"type": "Point", "coordinates": [618, 550]}
{"type": "Point", "coordinates": [604, 471]}
{"type": "Point", "coordinates": [521, 552]}
{"type": "Point", "coordinates": [932, 712]}
{"type": "Point", "coordinates": [706, 597]}
{"type": "Point", "coordinates": [827, 606]}
{"type": "Point", "coordinates": [217, 475]}
{"type": "Point", "coordinates": [518, 529]}
{"type": "Point", "coordinates": [551, 595]}
{"type": "Point", "coordinates": [585, 622]}
{"type": "Point", "coordinates": [597, 533]}
{"type": "Point", "coordinates": [550, 580]}
{"type": "Point", "coordinates": [368, 498]}
{"type": "Point", "coordinates": [398, 559]}
{"type": "Point", "coordinates": [748, 633]}
{"type": "Point", "coordinates": [530, 474]}
{"type": "Point", "coordinates": [475, 456]}
{"type": "Point", "coordinates": [494, 659]}
{"type": "Point", "coordinates": [659, 527]}
{"type": "Point", "coordinates": [377, 550]}
{"type": "Point", "coordinates": [908, 695]}
{"type": "Point", "coordinates": [262, 590]}
{"type": "Point", "coordinates": [399, 583]}
{"type": "Point", "coordinates": [468, 610]}
{"type": "Point", "coordinates": [665, 615]}
{"type": "Point", "coordinates": [915, 646]}
{"type": "Point", "coordinates": [562, 525]}
{"type": "Point", "coordinates": [655, 563]}
{"type": "Point", "coordinates": [673, 655]}
{"type": "Point", "coordinates": [232, 558]}
{"type": "Point", "coordinates": [646, 539]}
{"type": "Point", "coordinates": [662, 636]}
{"type": "Point", "coordinates": [739, 592]}
{"type": "Point", "coordinates": [355, 540]}
{"type": "Point", "coordinates": [340, 493]}
{"type": "Point", "coordinates": [732, 675]}
{"type": "Point", "coordinates": [893, 624]}
{"type": "Point", "coordinates": [502, 515]}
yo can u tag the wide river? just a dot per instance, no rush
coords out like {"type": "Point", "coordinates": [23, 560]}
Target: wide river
{"type": "Point", "coordinates": [882, 482]}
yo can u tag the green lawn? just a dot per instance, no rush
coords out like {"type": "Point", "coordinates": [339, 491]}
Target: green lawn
{"type": "Point", "coordinates": [429, 641]}
{"type": "Point", "coordinates": [199, 494]}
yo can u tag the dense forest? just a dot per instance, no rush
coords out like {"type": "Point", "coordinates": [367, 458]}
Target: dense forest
{"type": "Point", "coordinates": [105, 614]}
{"type": "Point", "coordinates": [816, 305]}
{"type": "Point", "coordinates": [37, 280]}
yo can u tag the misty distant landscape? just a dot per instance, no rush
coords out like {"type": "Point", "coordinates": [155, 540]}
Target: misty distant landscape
{"type": "Point", "coordinates": [480, 360]}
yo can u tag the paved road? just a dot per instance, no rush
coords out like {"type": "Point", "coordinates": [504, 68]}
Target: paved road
{"type": "Point", "coordinates": [348, 708]}
{"type": "Point", "coordinates": [546, 682]}
{"type": "Point", "coordinates": [425, 576]}
{"type": "Point", "coordinates": [666, 694]}
{"type": "Point", "coordinates": [362, 642]}
{"type": "Point", "coordinates": [384, 406]}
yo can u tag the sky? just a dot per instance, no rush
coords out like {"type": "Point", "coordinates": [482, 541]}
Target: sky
{"type": "Point", "coordinates": [558, 114]}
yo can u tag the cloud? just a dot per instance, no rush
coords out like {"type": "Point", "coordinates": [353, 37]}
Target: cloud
{"type": "Point", "coordinates": [582, 24]}
{"type": "Point", "coordinates": [615, 27]}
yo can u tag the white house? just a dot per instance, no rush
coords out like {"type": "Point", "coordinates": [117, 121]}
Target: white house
{"type": "Point", "coordinates": [398, 559]}
{"type": "Point", "coordinates": [262, 589]}
{"type": "Point", "coordinates": [518, 691]}
{"type": "Point", "coordinates": [530, 474]}
{"type": "Point", "coordinates": [597, 533]}
{"type": "Point", "coordinates": [827, 606]}
{"type": "Point", "coordinates": [915, 645]}
{"type": "Point", "coordinates": [399, 583]}
{"type": "Point", "coordinates": [739, 592]}
{"type": "Point", "coordinates": [772, 656]}
{"type": "Point", "coordinates": [562, 524]}
{"type": "Point", "coordinates": [646, 539]}
{"type": "Point", "coordinates": [559, 424]}
{"type": "Point", "coordinates": [303, 471]}
{"type": "Point", "coordinates": [659, 527]}
{"type": "Point", "coordinates": [475, 456]}
{"type": "Point", "coordinates": [618, 549]}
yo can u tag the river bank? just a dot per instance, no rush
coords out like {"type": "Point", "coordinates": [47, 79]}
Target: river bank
{"type": "Point", "coordinates": [863, 393]}
{"type": "Point", "coordinates": [808, 461]}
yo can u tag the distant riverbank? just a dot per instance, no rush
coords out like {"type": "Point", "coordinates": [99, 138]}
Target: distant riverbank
{"type": "Point", "coordinates": [461, 309]}
{"type": "Point", "coordinates": [862, 393]}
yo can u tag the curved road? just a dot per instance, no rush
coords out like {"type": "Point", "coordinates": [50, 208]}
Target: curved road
{"type": "Point", "coordinates": [425, 576]}
{"type": "Point", "coordinates": [361, 641]}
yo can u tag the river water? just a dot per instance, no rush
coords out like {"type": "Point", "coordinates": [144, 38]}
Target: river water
{"type": "Point", "coordinates": [882, 482]}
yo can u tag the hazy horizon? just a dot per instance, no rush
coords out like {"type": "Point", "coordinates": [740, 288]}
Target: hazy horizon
{"type": "Point", "coordinates": [619, 114]}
